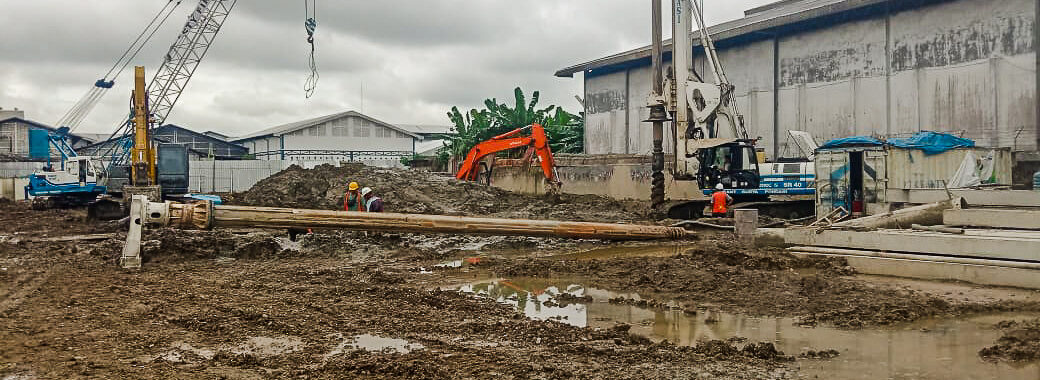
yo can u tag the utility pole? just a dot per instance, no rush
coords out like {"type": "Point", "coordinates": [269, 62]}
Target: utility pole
{"type": "Point", "coordinates": [656, 103]}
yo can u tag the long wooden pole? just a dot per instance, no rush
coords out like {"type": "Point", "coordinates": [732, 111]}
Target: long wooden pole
{"type": "Point", "coordinates": [206, 216]}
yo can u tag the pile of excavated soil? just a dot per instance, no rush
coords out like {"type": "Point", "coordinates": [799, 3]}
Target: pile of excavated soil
{"type": "Point", "coordinates": [1020, 342]}
{"type": "Point", "coordinates": [420, 192]}
{"type": "Point", "coordinates": [759, 282]}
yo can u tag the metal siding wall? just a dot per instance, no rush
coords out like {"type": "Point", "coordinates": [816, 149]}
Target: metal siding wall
{"type": "Point", "coordinates": [830, 180]}
{"type": "Point", "coordinates": [19, 169]}
{"type": "Point", "coordinates": [912, 169]}
{"type": "Point", "coordinates": [231, 176]}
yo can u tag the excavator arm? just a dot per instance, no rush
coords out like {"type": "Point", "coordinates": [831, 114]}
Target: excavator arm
{"type": "Point", "coordinates": [538, 141]}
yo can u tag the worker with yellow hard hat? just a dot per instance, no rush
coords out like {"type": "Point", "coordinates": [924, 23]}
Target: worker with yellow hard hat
{"type": "Point", "coordinates": [352, 200]}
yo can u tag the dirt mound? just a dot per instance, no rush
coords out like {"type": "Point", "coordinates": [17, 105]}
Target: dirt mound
{"type": "Point", "coordinates": [420, 192]}
{"type": "Point", "coordinates": [1020, 342]}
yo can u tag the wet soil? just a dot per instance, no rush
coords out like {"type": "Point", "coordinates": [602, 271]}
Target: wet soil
{"type": "Point", "coordinates": [759, 281]}
{"type": "Point", "coordinates": [421, 192]}
{"type": "Point", "coordinates": [1020, 342]}
{"type": "Point", "coordinates": [251, 303]}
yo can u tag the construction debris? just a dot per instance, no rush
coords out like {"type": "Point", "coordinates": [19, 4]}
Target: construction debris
{"type": "Point", "coordinates": [929, 214]}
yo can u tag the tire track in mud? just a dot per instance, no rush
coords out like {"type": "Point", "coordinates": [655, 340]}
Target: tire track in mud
{"type": "Point", "coordinates": [22, 287]}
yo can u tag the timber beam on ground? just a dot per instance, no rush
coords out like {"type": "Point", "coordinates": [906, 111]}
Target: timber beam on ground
{"type": "Point", "coordinates": [983, 244]}
{"type": "Point", "coordinates": [935, 268]}
{"type": "Point", "coordinates": [995, 218]}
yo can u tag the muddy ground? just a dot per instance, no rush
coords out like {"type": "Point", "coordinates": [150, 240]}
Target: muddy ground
{"type": "Point", "coordinates": [253, 304]}
{"type": "Point", "coordinates": [1020, 342]}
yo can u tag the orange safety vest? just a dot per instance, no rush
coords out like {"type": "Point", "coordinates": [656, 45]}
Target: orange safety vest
{"type": "Point", "coordinates": [358, 200]}
{"type": "Point", "coordinates": [718, 202]}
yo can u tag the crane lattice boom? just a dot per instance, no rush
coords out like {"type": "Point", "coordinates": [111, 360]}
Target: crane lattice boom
{"type": "Point", "coordinates": [185, 55]}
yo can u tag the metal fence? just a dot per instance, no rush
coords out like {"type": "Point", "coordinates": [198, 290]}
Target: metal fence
{"type": "Point", "coordinates": [212, 176]}
{"type": "Point", "coordinates": [205, 176]}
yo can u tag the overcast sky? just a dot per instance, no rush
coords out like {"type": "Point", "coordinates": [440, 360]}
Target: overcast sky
{"type": "Point", "coordinates": [415, 58]}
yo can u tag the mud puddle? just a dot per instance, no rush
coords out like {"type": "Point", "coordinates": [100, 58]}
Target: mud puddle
{"type": "Point", "coordinates": [373, 343]}
{"type": "Point", "coordinates": [927, 349]}
{"type": "Point", "coordinates": [624, 251]}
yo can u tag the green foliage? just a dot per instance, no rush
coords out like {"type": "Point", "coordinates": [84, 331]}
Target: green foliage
{"type": "Point", "coordinates": [566, 130]}
{"type": "Point", "coordinates": [407, 160]}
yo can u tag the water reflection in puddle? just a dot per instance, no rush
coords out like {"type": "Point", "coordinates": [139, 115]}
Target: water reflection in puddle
{"type": "Point", "coordinates": [374, 343]}
{"type": "Point", "coordinates": [615, 252]}
{"type": "Point", "coordinates": [929, 349]}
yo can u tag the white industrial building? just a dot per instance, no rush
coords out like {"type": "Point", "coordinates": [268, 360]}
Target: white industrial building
{"type": "Point", "coordinates": [344, 136]}
{"type": "Point", "coordinates": [838, 68]}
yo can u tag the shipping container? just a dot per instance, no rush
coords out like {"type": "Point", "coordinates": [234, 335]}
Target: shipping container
{"type": "Point", "coordinates": [867, 180]}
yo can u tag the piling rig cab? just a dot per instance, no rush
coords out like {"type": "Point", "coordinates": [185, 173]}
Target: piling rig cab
{"type": "Point", "coordinates": [537, 143]}
{"type": "Point", "coordinates": [712, 144]}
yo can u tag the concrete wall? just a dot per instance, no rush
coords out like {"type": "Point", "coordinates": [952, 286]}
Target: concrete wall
{"type": "Point", "coordinates": [616, 176]}
{"type": "Point", "coordinates": [13, 188]}
{"type": "Point", "coordinates": [963, 66]}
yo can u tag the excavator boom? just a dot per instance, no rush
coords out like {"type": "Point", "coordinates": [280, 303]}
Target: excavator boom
{"type": "Point", "coordinates": [538, 141]}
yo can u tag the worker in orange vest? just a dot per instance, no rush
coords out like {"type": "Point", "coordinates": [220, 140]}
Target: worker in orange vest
{"type": "Point", "coordinates": [352, 200]}
{"type": "Point", "coordinates": [719, 202]}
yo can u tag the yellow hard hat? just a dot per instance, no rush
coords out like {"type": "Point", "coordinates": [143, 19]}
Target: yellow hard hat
{"type": "Point", "coordinates": [352, 186]}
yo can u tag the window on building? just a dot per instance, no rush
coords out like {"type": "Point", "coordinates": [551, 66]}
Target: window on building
{"type": "Point", "coordinates": [363, 130]}
{"type": "Point", "coordinates": [339, 127]}
{"type": "Point", "coordinates": [7, 137]}
{"type": "Point", "coordinates": [320, 130]}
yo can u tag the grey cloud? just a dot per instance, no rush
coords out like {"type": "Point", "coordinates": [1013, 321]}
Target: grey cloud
{"type": "Point", "coordinates": [415, 58]}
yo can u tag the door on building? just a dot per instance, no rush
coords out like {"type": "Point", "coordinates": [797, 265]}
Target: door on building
{"type": "Point", "coordinates": [855, 193]}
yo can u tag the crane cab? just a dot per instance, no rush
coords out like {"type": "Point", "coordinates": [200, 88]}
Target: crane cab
{"type": "Point", "coordinates": [75, 184]}
{"type": "Point", "coordinates": [733, 164]}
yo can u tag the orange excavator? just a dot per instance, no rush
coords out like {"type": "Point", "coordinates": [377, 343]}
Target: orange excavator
{"type": "Point", "coordinates": [473, 169]}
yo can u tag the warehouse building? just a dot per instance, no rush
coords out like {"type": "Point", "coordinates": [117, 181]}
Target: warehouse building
{"type": "Point", "coordinates": [344, 136]}
{"type": "Point", "coordinates": [200, 146]}
{"type": "Point", "coordinates": [14, 136]}
{"type": "Point", "coordinates": [838, 68]}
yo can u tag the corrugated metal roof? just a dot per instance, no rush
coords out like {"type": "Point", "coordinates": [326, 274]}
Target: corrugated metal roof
{"type": "Point", "coordinates": [772, 16]}
{"type": "Point", "coordinates": [426, 128]}
{"type": "Point", "coordinates": [290, 127]}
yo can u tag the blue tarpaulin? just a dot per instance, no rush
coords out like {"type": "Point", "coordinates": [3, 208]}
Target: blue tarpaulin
{"type": "Point", "coordinates": [930, 142]}
{"type": "Point", "coordinates": [852, 141]}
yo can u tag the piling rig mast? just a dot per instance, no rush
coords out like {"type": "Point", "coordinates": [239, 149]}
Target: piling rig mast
{"type": "Point", "coordinates": [166, 87]}
{"type": "Point", "coordinates": [712, 143]}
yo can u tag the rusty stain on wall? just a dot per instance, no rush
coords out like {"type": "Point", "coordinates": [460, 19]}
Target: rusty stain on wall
{"type": "Point", "coordinates": [831, 66]}
{"type": "Point", "coordinates": [1005, 35]}
{"type": "Point", "coordinates": [605, 101]}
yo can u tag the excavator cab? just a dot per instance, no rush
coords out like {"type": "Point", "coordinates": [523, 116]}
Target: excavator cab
{"type": "Point", "coordinates": [733, 164]}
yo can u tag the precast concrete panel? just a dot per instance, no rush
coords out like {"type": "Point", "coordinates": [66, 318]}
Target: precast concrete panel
{"type": "Point", "coordinates": [904, 109]}
{"type": "Point", "coordinates": [605, 104]}
{"type": "Point", "coordinates": [975, 70]}
{"type": "Point", "coordinates": [962, 31]}
{"type": "Point", "coordinates": [870, 106]}
{"type": "Point", "coordinates": [964, 66]}
{"type": "Point", "coordinates": [959, 100]}
{"type": "Point", "coordinates": [640, 134]}
{"type": "Point", "coordinates": [1016, 101]}
{"type": "Point", "coordinates": [839, 52]}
